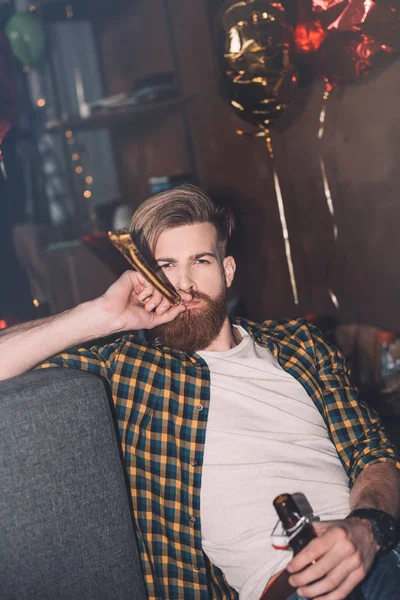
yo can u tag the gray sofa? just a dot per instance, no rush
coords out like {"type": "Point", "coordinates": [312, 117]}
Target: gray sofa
{"type": "Point", "coordinates": [65, 516]}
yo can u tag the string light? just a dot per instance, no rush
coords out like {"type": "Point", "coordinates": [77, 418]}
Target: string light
{"type": "Point", "coordinates": [41, 102]}
{"type": "Point", "coordinates": [69, 11]}
{"type": "Point", "coordinates": [36, 303]}
{"type": "Point", "coordinates": [79, 170]}
{"type": "Point", "coordinates": [32, 8]}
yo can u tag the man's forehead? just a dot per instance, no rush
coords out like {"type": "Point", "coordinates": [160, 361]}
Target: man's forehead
{"type": "Point", "coordinates": [200, 237]}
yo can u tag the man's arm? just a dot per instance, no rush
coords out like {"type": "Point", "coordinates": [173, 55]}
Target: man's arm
{"type": "Point", "coordinates": [342, 555]}
{"type": "Point", "coordinates": [378, 486]}
{"type": "Point", "coordinates": [131, 303]}
{"type": "Point", "coordinates": [339, 559]}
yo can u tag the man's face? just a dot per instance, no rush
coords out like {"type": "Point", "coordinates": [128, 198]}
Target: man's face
{"type": "Point", "coordinates": [190, 258]}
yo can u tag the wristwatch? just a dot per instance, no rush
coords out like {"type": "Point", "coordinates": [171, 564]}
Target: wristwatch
{"type": "Point", "coordinates": [385, 528]}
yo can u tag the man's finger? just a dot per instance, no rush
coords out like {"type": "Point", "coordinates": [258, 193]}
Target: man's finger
{"type": "Point", "coordinates": [320, 569]}
{"type": "Point", "coordinates": [332, 579]}
{"type": "Point", "coordinates": [146, 291]}
{"type": "Point", "coordinates": [163, 307]}
{"type": "Point", "coordinates": [170, 315]}
{"type": "Point", "coordinates": [153, 301]}
{"type": "Point", "coordinates": [344, 589]}
{"type": "Point", "coordinates": [316, 549]}
{"type": "Point", "coordinates": [311, 553]}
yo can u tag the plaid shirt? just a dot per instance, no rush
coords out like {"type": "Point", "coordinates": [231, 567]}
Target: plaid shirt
{"type": "Point", "coordinates": [162, 399]}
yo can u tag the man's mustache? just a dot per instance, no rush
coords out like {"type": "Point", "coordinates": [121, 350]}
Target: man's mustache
{"type": "Point", "coordinates": [199, 296]}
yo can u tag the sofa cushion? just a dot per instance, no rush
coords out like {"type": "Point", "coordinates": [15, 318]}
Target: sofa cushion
{"type": "Point", "coordinates": [66, 524]}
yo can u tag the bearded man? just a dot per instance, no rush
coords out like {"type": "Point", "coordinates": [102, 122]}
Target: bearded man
{"type": "Point", "coordinates": [217, 416]}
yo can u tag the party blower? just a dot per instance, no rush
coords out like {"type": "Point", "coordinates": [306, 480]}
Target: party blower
{"type": "Point", "coordinates": [123, 241]}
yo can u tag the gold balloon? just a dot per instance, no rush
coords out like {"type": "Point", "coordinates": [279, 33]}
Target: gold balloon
{"type": "Point", "coordinates": [260, 78]}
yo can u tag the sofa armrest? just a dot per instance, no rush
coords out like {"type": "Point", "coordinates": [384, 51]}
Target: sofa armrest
{"type": "Point", "coordinates": [67, 527]}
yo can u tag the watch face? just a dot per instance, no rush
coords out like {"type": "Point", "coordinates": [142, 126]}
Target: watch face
{"type": "Point", "coordinates": [388, 531]}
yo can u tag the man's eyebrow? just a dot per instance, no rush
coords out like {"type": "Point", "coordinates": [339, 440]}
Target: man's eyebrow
{"type": "Point", "coordinates": [167, 260]}
{"type": "Point", "coordinates": [193, 257]}
{"type": "Point", "coordinates": [197, 256]}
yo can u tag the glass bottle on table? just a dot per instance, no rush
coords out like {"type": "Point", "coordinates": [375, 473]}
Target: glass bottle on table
{"type": "Point", "coordinates": [386, 363]}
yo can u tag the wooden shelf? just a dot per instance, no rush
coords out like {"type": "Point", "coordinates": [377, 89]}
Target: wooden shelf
{"type": "Point", "coordinates": [118, 117]}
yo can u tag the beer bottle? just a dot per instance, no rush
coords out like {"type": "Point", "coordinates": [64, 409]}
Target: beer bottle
{"type": "Point", "coordinates": [299, 530]}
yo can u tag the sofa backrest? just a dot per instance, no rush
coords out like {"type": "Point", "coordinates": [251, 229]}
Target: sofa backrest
{"type": "Point", "coordinates": [65, 518]}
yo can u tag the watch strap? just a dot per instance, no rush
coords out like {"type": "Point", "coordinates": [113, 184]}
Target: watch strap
{"type": "Point", "coordinates": [385, 527]}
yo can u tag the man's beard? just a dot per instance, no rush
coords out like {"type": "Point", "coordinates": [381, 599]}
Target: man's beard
{"type": "Point", "coordinates": [196, 328]}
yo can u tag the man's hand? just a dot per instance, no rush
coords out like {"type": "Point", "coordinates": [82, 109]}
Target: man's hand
{"type": "Point", "coordinates": [133, 303]}
{"type": "Point", "coordinates": [334, 563]}
{"type": "Point", "coordinates": [130, 303]}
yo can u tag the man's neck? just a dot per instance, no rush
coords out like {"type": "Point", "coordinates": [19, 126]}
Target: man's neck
{"type": "Point", "coordinates": [228, 338]}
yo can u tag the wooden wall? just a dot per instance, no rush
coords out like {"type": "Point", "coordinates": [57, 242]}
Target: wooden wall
{"type": "Point", "coordinates": [361, 148]}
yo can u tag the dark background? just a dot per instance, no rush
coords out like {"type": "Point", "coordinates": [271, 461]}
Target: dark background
{"type": "Point", "coordinates": [361, 148]}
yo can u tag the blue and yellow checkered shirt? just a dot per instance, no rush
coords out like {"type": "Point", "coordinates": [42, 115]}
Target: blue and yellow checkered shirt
{"type": "Point", "coordinates": [162, 399]}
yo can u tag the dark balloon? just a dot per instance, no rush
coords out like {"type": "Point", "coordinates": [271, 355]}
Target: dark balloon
{"type": "Point", "coordinates": [257, 41]}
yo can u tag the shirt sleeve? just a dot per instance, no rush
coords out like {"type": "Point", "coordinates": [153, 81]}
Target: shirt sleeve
{"type": "Point", "coordinates": [355, 429]}
{"type": "Point", "coordinates": [99, 360]}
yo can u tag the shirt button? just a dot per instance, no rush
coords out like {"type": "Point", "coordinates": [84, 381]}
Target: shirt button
{"type": "Point", "coordinates": [194, 463]}
{"type": "Point", "coordinates": [199, 407]}
{"type": "Point", "coordinates": [196, 567]}
{"type": "Point", "coordinates": [192, 519]}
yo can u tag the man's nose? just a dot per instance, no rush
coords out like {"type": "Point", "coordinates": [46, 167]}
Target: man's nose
{"type": "Point", "coordinates": [185, 282]}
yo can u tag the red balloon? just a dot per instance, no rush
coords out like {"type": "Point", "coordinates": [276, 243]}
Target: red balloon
{"type": "Point", "coordinates": [348, 38]}
{"type": "Point", "coordinates": [358, 15]}
{"type": "Point", "coordinates": [8, 88]}
{"type": "Point", "coordinates": [309, 36]}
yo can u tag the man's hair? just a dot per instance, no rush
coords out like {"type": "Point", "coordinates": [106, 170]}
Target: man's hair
{"type": "Point", "coordinates": [183, 205]}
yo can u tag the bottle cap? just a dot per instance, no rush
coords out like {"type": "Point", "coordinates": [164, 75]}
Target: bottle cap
{"type": "Point", "coordinates": [385, 337]}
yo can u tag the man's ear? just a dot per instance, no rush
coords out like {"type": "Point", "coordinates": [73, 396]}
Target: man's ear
{"type": "Point", "coordinates": [229, 269]}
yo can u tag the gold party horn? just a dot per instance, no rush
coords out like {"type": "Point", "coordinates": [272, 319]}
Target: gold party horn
{"type": "Point", "coordinates": [123, 241]}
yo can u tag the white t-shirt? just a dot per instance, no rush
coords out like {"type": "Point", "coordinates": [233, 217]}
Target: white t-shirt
{"type": "Point", "coordinates": [264, 437]}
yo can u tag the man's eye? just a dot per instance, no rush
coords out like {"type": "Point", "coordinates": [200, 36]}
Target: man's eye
{"type": "Point", "coordinates": [202, 261]}
{"type": "Point", "coordinates": [165, 266]}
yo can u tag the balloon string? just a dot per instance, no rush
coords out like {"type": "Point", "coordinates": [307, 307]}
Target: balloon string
{"type": "Point", "coordinates": [2, 165]}
{"type": "Point", "coordinates": [327, 190]}
{"type": "Point", "coordinates": [282, 216]}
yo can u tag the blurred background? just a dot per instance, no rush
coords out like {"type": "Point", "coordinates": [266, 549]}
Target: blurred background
{"type": "Point", "coordinates": [286, 111]}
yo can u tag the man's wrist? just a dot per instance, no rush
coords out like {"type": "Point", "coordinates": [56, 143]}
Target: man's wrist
{"type": "Point", "coordinates": [88, 322]}
{"type": "Point", "coordinates": [384, 527]}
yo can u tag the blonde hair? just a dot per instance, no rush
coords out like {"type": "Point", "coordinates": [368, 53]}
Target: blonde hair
{"type": "Point", "coordinates": [183, 205]}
